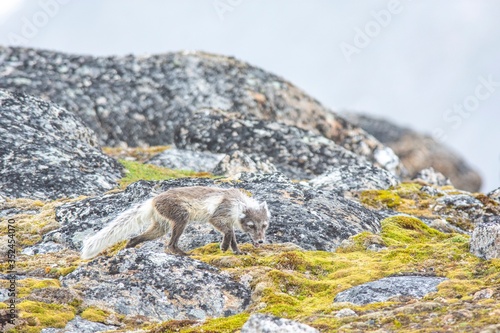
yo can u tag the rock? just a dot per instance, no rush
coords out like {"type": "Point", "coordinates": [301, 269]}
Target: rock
{"type": "Point", "coordinates": [182, 159]}
{"type": "Point", "coordinates": [314, 220]}
{"type": "Point", "coordinates": [260, 323]}
{"type": "Point", "coordinates": [432, 177]}
{"type": "Point", "coordinates": [418, 151]}
{"type": "Point", "coordinates": [158, 286]}
{"type": "Point", "coordinates": [347, 178]}
{"type": "Point", "coordinates": [47, 247]}
{"type": "Point", "coordinates": [495, 195]}
{"type": "Point", "coordinates": [47, 153]}
{"type": "Point", "coordinates": [386, 288]}
{"type": "Point", "coordinates": [345, 313]}
{"type": "Point", "coordinates": [80, 325]}
{"type": "Point", "coordinates": [460, 201]}
{"type": "Point", "coordinates": [485, 241]}
{"type": "Point", "coordinates": [483, 294]}
{"type": "Point", "coordinates": [138, 100]}
{"type": "Point", "coordinates": [237, 162]}
{"type": "Point", "coordinates": [297, 153]}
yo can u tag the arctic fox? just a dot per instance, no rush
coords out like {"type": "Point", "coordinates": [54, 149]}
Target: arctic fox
{"type": "Point", "coordinates": [175, 208]}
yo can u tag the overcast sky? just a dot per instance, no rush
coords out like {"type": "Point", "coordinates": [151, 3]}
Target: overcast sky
{"type": "Point", "coordinates": [430, 65]}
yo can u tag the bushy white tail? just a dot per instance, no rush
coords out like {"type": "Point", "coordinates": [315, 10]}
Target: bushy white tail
{"type": "Point", "coordinates": [130, 222]}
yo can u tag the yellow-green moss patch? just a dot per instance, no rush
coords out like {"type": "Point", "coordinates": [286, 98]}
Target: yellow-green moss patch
{"type": "Point", "coordinates": [135, 171]}
{"type": "Point", "coordinates": [40, 315]}
{"type": "Point", "coordinates": [95, 314]}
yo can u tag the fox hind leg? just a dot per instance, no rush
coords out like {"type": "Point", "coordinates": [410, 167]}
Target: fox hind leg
{"type": "Point", "coordinates": [177, 230]}
{"type": "Point", "coordinates": [154, 231]}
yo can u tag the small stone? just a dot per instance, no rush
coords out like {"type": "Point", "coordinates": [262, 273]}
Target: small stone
{"type": "Point", "coordinates": [345, 313]}
{"type": "Point", "coordinates": [485, 240]}
{"type": "Point", "coordinates": [483, 294]}
{"type": "Point", "coordinates": [259, 323]}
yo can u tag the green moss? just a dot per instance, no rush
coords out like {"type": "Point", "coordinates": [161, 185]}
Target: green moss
{"type": "Point", "coordinates": [220, 325]}
{"type": "Point", "coordinates": [26, 286]}
{"type": "Point", "coordinates": [95, 314]}
{"type": "Point", "coordinates": [135, 171]}
{"type": "Point", "coordinates": [39, 315]}
{"type": "Point", "coordinates": [405, 198]}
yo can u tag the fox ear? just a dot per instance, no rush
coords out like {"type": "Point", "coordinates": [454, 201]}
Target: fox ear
{"type": "Point", "coordinates": [264, 205]}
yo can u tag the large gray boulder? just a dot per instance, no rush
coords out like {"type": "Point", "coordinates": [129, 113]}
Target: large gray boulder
{"type": "Point", "coordinates": [390, 287]}
{"type": "Point", "coordinates": [158, 286]}
{"type": "Point", "coordinates": [418, 151]}
{"type": "Point", "coordinates": [297, 153]}
{"type": "Point", "coordinates": [48, 153]}
{"type": "Point", "coordinates": [314, 220]}
{"type": "Point", "coordinates": [139, 100]}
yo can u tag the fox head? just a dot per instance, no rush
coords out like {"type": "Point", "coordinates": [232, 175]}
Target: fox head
{"type": "Point", "coordinates": [255, 221]}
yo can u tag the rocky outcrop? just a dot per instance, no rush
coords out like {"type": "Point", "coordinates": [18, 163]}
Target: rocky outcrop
{"type": "Point", "coordinates": [418, 151]}
{"type": "Point", "coordinates": [432, 177]}
{"type": "Point", "coordinates": [260, 323]}
{"type": "Point", "coordinates": [485, 241]}
{"type": "Point", "coordinates": [139, 100]}
{"type": "Point", "coordinates": [314, 220]}
{"type": "Point", "coordinates": [390, 287]}
{"type": "Point", "coordinates": [47, 152]}
{"type": "Point", "coordinates": [297, 153]}
{"type": "Point", "coordinates": [352, 178]}
{"type": "Point", "coordinates": [234, 164]}
{"type": "Point", "coordinates": [158, 286]}
{"type": "Point", "coordinates": [182, 159]}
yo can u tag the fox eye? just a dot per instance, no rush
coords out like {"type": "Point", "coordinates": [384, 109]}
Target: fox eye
{"type": "Point", "coordinates": [250, 224]}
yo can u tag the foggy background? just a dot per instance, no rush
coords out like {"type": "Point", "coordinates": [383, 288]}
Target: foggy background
{"type": "Point", "coordinates": [430, 65]}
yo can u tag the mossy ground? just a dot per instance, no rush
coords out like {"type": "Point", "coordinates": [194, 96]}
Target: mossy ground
{"type": "Point", "coordinates": [301, 285]}
{"type": "Point", "coordinates": [291, 283]}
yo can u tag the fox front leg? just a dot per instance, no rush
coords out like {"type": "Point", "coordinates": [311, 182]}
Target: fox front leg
{"type": "Point", "coordinates": [230, 240]}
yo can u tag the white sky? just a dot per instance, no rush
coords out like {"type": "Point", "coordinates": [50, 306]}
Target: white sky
{"type": "Point", "coordinates": [429, 57]}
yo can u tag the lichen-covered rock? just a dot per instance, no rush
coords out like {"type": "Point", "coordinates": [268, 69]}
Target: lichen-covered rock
{"type": "Point", "coordinates": [314, 220]}
{"type": "Point", "coordinates": [297, 153]}
{"type": "Point", "coordinates": [182, 159]}
{"type": "Point", "coordinates": [261, 323]}
{"type": "Point", "coordinates": [432, 177]}
{"type": "Point", "coordinates": [238, 162]}
{"type": "Point", "coordinates": [140, 99]}
{"type": "Point", "coordinates": [390, 287]}
{"type": "Point", "coordinates": [485, 241]}
{"type": "Point", "coordinates": [158, 286]}
{"type": "Point", "coordinates": [347, 178]}
{"type": "Point", "coordinates": [418, 151]}
{"type": "Point", "coordinates": [80, 325]}
{"type": "Point", "coordinates": [47, 152]}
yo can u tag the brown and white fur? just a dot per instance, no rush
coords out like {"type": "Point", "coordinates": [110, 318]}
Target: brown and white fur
{"type": "Point", "coordinates": [175, 208]}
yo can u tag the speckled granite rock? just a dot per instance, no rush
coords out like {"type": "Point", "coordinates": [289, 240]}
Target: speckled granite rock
{"type": "Point", "coordinates": [390, 287]}
{"type": "Point", "coordinates": [485, 241]}
{"type": "Point", "coordinates": [79, 325]}
{"type": "Point", "coordinates": [495, 195]}
{"type": "Point", "coordinates": [432, 177]}
{"type": "Point", "coordinates": [346, 178]}
{"type": "Point", "coordinates": [158, 286]}
{"type": "Point", "coordinates": [139, 99]}
{"type": "Point", "coordinates": [418, 151]}
{"type": "Point", "coordinates": [314, 220]}
{"type": "Point", "coordinates": [182, 159]}
{"type": "Point", "coordinates": [261, 323]}
{"type": "Point", "coordinates": [297, 153]}
{"type": "Point", "coordinates": [237, 162]}
{"type": "Point", "coordinates": [47, 152]}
